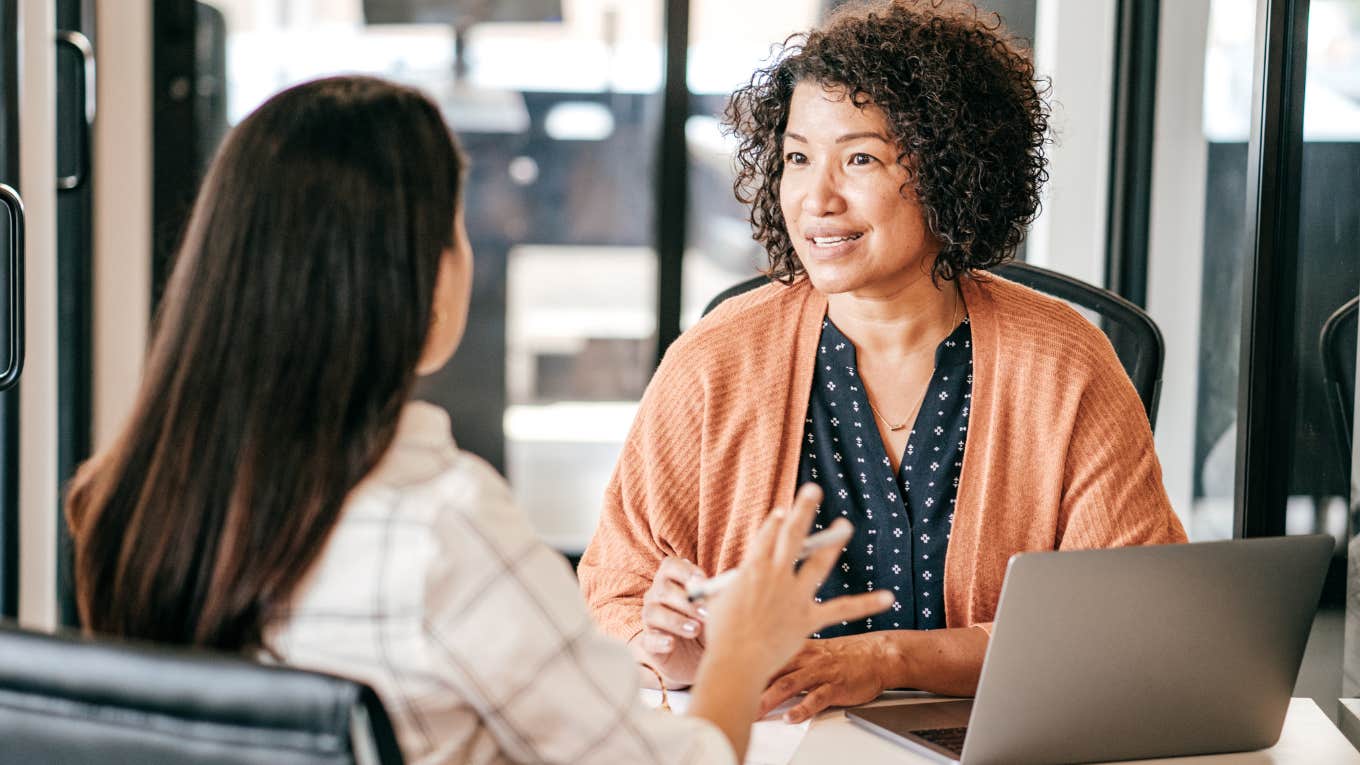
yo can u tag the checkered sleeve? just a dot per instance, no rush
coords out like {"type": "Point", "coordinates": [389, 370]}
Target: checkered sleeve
{"type": "Point", "coordinates": [507, 627]}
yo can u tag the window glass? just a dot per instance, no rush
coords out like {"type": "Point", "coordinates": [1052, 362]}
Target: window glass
{"type": "Point", "coordinates": [728, 42]}
{"type": "Point", "coordinates": [1329, 269]}
{"type": "Point", "coordinates": [1320, 459]}
{"type": "Point", "coordinates": [1197, 250]}
{"type": "Point", "coordinates": [556, 102]}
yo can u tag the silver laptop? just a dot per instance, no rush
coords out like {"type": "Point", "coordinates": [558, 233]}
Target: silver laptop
{"type": "Point", "coordinates": [1130, 653]}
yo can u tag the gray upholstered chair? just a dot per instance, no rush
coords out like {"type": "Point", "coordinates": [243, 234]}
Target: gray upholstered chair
{"type": "Point", "coordinates": [74, 701]}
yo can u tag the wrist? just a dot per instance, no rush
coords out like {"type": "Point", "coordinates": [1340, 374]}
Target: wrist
{"type": "Point", "coordinates": [732, 675]}
{"type": "Point", "coordinates": [676, 683]}
{"type": "Point", "coordinates": [727, 693]}
{"type": "Point", "coordinates": [655, 669]}
{"type": "Point", "coordinates": [745, 656]}
{"type": "Point", "coordinates": [896, 658]}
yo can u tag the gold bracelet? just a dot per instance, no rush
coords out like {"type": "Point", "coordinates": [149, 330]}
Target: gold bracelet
{"type": "Point", "coordinates": [660, 683]}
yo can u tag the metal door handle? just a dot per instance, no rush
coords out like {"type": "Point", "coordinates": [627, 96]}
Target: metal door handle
{"type": "Point", "coordinates": [81, 45]}
{"type": "Point", "coordinates": [14, 263]}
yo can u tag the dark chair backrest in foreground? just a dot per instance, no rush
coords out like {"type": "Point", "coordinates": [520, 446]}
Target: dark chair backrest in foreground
{"type": "Point", "coordinates": [1135, 337]}
{"type": "Point", "coordinates": [1338, 341]}
{"type": "Point", "coordinates": [74, 701]}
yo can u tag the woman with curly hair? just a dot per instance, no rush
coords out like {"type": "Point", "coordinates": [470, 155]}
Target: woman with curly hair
{"type": "Point", "coordinates": [890, 158]}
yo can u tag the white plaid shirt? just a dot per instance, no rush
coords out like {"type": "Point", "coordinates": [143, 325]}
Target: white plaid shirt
{"type": "Point", "coordinates": [435, 591]}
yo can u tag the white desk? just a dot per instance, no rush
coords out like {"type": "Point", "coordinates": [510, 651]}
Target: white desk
{"type": "Point", "coordinates": [1348, 716]}
{"type": "Point", "coordinates": [1309, 738]}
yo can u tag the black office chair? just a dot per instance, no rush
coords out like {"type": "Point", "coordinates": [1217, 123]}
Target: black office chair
{"type": "Point", "coordinates": [75, 701]}
{"type": "Point", "coordinates": [1135, 337]}
{"type": "Point", "coordinates": [1337, 343]}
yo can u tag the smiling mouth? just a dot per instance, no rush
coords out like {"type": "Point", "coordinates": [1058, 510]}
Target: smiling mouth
{"type": "Point", "coordinates": [829, 241]}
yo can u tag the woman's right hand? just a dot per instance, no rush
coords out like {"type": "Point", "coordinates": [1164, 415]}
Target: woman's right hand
{"type": "Point", "coordinates": [672, 637]}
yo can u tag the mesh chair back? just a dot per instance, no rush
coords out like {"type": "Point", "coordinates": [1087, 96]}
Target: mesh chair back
{"type": "Point", "coordinates": [76, 701]}
{"type": "Point", "coordinates": [1338, 343]}
{"type": "Point", "coordinates": [1136, 339]}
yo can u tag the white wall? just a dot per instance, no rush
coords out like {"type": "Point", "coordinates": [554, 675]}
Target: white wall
{"type": "Point", "coordinates": [1074, 46]}
{"type": "Point", "coordinates": [1176, 236]}
{"type": "Point", "coordinates": [122, 205]}
{"type": "Point", "coordinates": [38, 498]}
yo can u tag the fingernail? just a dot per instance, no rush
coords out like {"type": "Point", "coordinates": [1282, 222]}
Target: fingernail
{"type": "Point", "coordinates": [690, 627]}
{"type": "Point", "coordinates": [792, 718]}
{"type": "Point", "coordinates": [666, 643]}
{"type": "Point", "coordinates": [778, 512]}
{"type": "Point", "coordinates": [702, 612]}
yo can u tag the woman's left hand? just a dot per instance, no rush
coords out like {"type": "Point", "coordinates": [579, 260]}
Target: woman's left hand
{"type": "Point", "coordinates": [841, 671]}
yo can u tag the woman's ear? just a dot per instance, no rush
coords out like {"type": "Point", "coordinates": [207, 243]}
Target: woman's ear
{"type": "Point", "coordinates": [448, 310]}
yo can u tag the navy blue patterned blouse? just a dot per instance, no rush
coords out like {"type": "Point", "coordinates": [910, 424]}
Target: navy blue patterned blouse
{"type": "Point", "coordinates": [902, 521]}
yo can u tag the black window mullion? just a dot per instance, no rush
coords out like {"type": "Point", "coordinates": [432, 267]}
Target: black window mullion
{"type": "Point", "coordinates": [672, 177]}
{"type": "Point", "coordinates": [1266, 385]}
{"type": "Point", "coordinates": [176, 131]}
{"type": "Point", "coordinates": [75, 285]}
{"type": "Point", "coordinates": [9, 400]}
{"type": "Point", "coordinates": [1133, 127]}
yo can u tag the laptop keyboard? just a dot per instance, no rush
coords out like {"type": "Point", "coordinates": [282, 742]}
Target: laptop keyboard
{"type": "Point", "coordinates": [948, 738]}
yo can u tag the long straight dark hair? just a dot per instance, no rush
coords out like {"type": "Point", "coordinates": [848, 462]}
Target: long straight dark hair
{"type": "Point", "coordinates": [285, 347]}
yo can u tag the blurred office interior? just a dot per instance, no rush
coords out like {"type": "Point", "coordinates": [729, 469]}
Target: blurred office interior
{"type": "Point", "coordinates": [1204, 165]}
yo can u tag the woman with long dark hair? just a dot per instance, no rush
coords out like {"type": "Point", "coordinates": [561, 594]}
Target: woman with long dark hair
{"type": "Point", "coordinates": [276, 493]}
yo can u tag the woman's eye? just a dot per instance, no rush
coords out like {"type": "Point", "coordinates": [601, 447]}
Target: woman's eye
{"type": "Point", "coordinates": [861, 158]}
{"type": "Point", "coordinates": [795, 158]}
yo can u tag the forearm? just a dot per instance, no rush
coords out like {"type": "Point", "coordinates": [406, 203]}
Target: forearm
{"type": "Point", "coordinates": [727, 694]}
{"type": "Point", "coordinates": [614, 599]}
{"type": "Point", "coordinates": [946, 661]}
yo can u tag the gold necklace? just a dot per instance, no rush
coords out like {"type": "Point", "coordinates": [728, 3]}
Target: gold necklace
{"type": "Point", "coordinates": [954, 322]}
{"type": "Point", "coordinates": [903, 424]}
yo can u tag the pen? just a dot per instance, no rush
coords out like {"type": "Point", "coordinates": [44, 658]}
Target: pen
{"type": "Point", "coordinates": [837, 534]}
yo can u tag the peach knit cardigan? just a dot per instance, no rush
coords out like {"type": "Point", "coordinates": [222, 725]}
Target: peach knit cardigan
{"type": "Point", "coordinates": [1059, 453]}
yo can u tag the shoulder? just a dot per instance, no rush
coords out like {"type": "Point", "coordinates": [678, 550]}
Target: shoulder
{"type": "Point", "coordinates": [744, 330]}
{"type": "Point", "coordinates": [472, 505]}
{"type": "Point", "coordinates": [1029, 327]}
{"type": "Point", "coordinates": [1026, 312]}
{"type": "Point", "coordinates": [763, 314]}
{"type": "Point", "coordinates": [455, 494]}
{"type": "Point", "coordinates": [485, 543]}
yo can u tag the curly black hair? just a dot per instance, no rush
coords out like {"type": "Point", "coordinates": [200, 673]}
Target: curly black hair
{"type": "Point", "coordinates": [968, 117]}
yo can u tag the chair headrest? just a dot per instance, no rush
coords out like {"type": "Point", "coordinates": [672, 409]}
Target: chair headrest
{"type": "Point", "coordinates": [115, 693]}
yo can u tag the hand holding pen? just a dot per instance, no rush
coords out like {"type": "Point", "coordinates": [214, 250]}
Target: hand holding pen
{"type": "Point", "coordinates": [674, 632]}
{"type": "Point", "coordinates": [837, 535]}
{"type": "Point", "coordinates": [672, 637]}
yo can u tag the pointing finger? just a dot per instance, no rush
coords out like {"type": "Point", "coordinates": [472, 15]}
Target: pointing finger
{"type": "Point", "coordinates": [850, 607]}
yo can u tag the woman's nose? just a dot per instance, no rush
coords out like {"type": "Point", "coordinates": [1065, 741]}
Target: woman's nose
{"type": "Point", "coordinates": [822, 195]}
